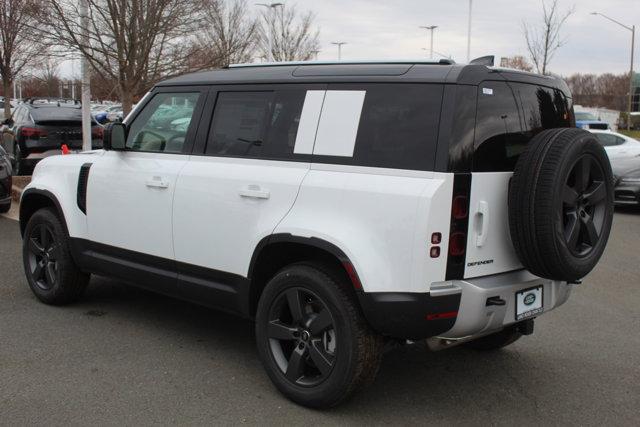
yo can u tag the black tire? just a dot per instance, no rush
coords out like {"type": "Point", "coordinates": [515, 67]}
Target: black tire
{"type": "Point", "coordinates": [496, 340]}
{"type": "Point", "coordinates": [561, 204]}
{"type": "Point", "coordinates": [357, 350]}
{"type": "Point", "coordinates": [4, 208]}
{"type": "Point", "coordinates": [51, 272]}
{"type": "Point", "coordinates": [19, 166]}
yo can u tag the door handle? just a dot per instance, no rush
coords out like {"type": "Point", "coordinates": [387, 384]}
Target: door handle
{"type": "Point", "coordinates": [157, 182]}
{"type": "Point", "coordinates": [254, 191]}
{"type": "Point", "coordinates": [482, 221]}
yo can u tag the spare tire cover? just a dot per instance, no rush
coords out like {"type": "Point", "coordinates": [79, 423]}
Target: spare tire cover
{"type": "Point", "coordinates": [561, 204]}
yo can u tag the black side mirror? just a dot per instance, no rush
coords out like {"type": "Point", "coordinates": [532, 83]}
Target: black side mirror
{"type": "Point", "coordinates": [115, 137]}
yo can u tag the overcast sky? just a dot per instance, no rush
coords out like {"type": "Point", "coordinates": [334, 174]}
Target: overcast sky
{"type": "Point", "coordinates": [386, 29]}
{"type": "Point", "coordinates": [389, 29]}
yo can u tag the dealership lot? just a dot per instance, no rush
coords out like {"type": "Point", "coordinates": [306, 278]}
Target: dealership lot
{"type": "Point", "coordinates": [124, 356]}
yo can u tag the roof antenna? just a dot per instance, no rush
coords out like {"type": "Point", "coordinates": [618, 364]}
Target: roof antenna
{"type": "Point", "coordinates": [484, 60]}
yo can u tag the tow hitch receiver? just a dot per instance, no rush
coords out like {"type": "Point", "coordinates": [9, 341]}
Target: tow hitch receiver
{"type": "Point", "coordinates": [526, 327]}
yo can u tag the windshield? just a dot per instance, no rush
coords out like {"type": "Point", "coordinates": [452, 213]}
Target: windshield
{"type": "Point", "coordinates": [585, 116]}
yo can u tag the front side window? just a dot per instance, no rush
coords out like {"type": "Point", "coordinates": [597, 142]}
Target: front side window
{"type": "Point", "coordinates": [256, 124]}
{"type": "Point", "coordinates": [163, 123]}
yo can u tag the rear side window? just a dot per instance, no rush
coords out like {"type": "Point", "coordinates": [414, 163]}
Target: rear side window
{"type": "Point", "coordinates": [397, 126]}
{"type": "Point", "coordinates": [261, 124]}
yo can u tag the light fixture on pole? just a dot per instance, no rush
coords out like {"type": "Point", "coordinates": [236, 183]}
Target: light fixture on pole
{"type": "Point", "coordinates": [271, 9]}
{"type": "Point", "coordinates": [633, 38]}
{"type": "Point", "coordinates": [430, 28]}
{"type": "Point", "coordinates": [339, 44]}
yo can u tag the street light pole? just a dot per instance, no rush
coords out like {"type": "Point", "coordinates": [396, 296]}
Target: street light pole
{"type": "Point", "coordinates": [271, 7]}
{"type": "Point", "coordinates": [430, 28]}
{"type": "Point", "coordinates": [85, 97]}
{"type": "Point", "coordinates": [339, 44]}
{"type": "Point", "coordinates": [469, 35]}
{"type": "Point", "coordinates": [633, 39]}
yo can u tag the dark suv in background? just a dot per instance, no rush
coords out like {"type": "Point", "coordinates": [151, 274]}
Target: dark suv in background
{"type": "Point", "coordinates": [5, 181]}
{"type": "Point", "coordinates": [38, 128]}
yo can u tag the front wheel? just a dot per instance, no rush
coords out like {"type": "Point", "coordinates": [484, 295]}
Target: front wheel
{"type": "Point", "coordinates": [312, 339]}
{"type": "Point", "coordinates": [51, 272]}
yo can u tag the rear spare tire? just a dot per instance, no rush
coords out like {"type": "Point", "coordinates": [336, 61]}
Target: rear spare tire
{"type": "Point", "coordinates": [561, 204]}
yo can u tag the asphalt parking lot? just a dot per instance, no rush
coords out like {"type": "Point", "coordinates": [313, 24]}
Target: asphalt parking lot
{"type": "Point", "coordinates": [128, 357]}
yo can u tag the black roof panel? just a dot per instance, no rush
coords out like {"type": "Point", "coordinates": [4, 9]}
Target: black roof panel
{"type": "Point", "coordinates": [400, 72]}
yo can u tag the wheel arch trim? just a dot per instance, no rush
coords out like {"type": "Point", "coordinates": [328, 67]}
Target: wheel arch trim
{"type": "Point", "coordinates": [29, 193]}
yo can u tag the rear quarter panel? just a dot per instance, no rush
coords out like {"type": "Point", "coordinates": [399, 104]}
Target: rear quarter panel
{"type": "Point", "coordinates": [382, 219]}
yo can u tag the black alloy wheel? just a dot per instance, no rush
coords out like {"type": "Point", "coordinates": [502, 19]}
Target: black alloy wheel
{"type": "Point", "coordinates": [302, 336]}
{"type": "Point", "coordinates": [51, 272]}
{"type": "Point", "coordinates": [584, 204]}
{"type": "Point", "coordinates": [43, 256]}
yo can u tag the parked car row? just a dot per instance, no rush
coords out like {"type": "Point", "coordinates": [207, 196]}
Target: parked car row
{"type": "Point", "coordinates": [39, 128]}
{"type": "Point", "coordinates": [5, 181]}
{"type": "Point", "coordinates": [624, 155]}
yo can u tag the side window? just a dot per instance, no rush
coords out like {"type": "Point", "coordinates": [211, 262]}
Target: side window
{"type": "Point", "coordinates": [498, 140]}
{"type": "Point", "coordinates": [608, 140]}
{"type": "Point", "coordinates": [256, 124]}
{"type": "Point", "coordinates": [399, 126]}
{"type": "Point", "coordinates": [163, 123]}
{"type": "Point", "coordinates": [380, 125]}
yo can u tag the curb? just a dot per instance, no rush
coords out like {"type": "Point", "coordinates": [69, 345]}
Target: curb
{"type": "Point", "coordinates": [19, 182]}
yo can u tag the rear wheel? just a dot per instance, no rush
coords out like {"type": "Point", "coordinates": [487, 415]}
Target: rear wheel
{"type": "Point", "coordinates": [312, 339]}
{"type": "Point", "coordinates": [51, 272]}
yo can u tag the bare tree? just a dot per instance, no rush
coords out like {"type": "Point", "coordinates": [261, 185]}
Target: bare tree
{"type": "Point", "coordinates": [517, 62]}
{"type": "Point", "coordinates": [544, 40]}
{"type": "Point", "coordinates": [17, 46]}
{"type": "Point", "coordinates": [47, 77]}
{"type": "Point", "coordinates": [228, 35]}
{"type": "Point", "coordinates": [133, 42]}
{"type": "Point", "coordinates": [605, 90]}
{"type": "Point", "coordinates": [293, 37]}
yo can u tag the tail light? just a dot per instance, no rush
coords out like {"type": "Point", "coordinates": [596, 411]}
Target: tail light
{"type": "Point", "coordinates": [32, 133]}
{"type": "Point", "coordinates": [97, 132]}
{"type": "Point", "coordinates": [459, 226]}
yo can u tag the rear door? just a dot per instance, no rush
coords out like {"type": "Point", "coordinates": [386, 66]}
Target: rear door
{"type": "Point", "coordinates": [253, 151]}
{"type": "Point", "coordinates": [508, 115]}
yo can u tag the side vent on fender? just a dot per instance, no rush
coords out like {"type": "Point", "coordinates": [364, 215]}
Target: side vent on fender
{"type": "Point", "coordinates": [83, 180]}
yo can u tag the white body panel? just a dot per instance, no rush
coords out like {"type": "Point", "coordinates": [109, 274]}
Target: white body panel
{"type": "Point", "coordinates": [225, 206]}
{"type": "Point", "coordinates": [382, 219]}
{"type": "Point", "coordinates": [59, 176]}
{"type": "Point", "coordinates": [130, 201]}
{"type": "Point", "coordinates": [489, 247]}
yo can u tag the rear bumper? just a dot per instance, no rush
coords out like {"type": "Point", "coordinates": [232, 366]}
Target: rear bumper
{"type": "Point", "coordinates": [457, 309]}
{"type": "Point", "coordinates": [476, 318]}
{"type": "Point", "coordinates": [627, 195]}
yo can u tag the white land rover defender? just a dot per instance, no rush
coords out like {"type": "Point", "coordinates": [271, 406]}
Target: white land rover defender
{"type": "Point", "coordinates": [339, 205]}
